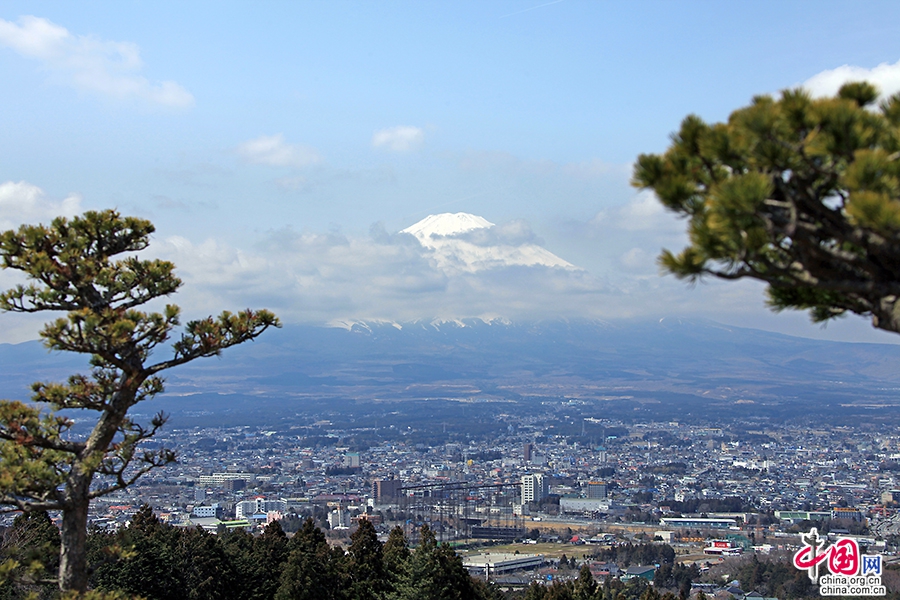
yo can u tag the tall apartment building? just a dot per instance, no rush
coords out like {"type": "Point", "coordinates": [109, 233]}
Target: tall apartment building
{"type": "Point", "coordinates": [596, 489]}
{"type": "Point", "coordinates": [535, 488]}
{"type": "Point", "coordinates": [217, 479]}
{"type": "Point", "coordinates": [338, 518]}
{"type": "Point", "coordinates": [386, 489]}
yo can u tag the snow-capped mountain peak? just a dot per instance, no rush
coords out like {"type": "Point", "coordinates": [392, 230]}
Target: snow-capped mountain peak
{"type": "Point", "coordinates": [446, 224]}
{"type": "Point", "coordinates": [458, 244]}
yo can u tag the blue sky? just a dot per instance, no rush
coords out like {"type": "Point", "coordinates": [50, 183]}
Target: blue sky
{"type": "Point", "coordinates": [279, 147]}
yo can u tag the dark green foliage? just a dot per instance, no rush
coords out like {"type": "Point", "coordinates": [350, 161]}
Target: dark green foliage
{"type": "Point", "coordinates": [291, 523]}
{"type": "Point", "coordinates": [366, 572]}
{"type": "Point", "coordinates": [559, 591]}
{"type": "Point", "coordinates": [676, 577]}
{"type": "Point", "coordinates": [240, 548]}
{"type": "Point", "coordinates": [146, 560]}
{"type": "Point", "coordinates": [637, 554]}
{"type": "Point", "coordinates": [29, 552]}
{"type": "Point", "coordinates": [585, 586]}
{"type": "Point", "coordinates": [312, 570]}
{"type": "Point", "coordinates": [672, 468]}
{"type": "Point", "coordinates": [801, 193]}
{"type": "Point", "coordinates": [695, 505]}
{"type": "Point", "coordinates": [395, 554]}
{"type": "Point", "coordinates": [270, 551]}
{"type": "Point", "coordinates": [642, 497]}
{"type": "Point", "coordinates": [159, 562]}
{"type": "Point", "coordinates": [433, 571]}
{"type": "Point", "coordinates": [208, 572]}
{"type": "Point", "coordinates": [776, 578]}
{"type": "Point", "coordinates": [535, 591]}
{"type": "Point", "coordinates": [156, 561]}
{"type": "Point", "coordinates": [634, 589]}
{"type": "Point", "coordinates": [484, 590]}
{"type": "Point", "coordinates": [257, 560]}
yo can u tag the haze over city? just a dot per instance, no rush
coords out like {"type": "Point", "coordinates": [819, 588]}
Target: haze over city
{"type": "Point", "coordinates": [280, 149]}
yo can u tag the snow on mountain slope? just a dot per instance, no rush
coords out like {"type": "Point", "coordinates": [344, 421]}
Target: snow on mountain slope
{"type": "Point", "coordinates": [446, 224]}
{"type": "Point", "coordinates": [468, 243]}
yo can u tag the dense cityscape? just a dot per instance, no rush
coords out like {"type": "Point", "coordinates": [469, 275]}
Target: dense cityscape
{"type": "Point", "coordinates": [691, 486]}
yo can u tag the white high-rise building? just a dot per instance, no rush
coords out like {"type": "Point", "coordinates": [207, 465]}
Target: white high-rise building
{"type": "Point", "coordinates": [535, 488]}
{"type": "Point", "coordinates": [338, 519]}
{"type": "Point", "coordinates": [248, 508]}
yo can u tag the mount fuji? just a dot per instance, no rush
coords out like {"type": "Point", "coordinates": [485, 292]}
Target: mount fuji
{"type": "Point", "coordinates": [468, 243]}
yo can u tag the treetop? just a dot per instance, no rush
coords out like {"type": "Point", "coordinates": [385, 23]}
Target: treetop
{"type": "Point", "coordinates": [798, 192]}
{"type": "Point", "coordinates": [69, 263]}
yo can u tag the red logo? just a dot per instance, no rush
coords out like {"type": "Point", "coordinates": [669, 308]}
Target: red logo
{"type": "Point", "coordinates": [842, 556]}
{"type": "Point", "coordinates": [844, 559]}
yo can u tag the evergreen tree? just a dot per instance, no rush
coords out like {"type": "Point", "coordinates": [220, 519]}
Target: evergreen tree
{"type": "Point", "coordinates": [258, 560]}
{"type": "Point", "coordinates": [802, 194]}
{"type": "Point", "coordinates": [270, 551]}
{"type": "Point", "coordinates": [147, 562]}
{"type": "Point", "coordinates": [634, 589]}
{"type": "Point", "coordinates": [535, 591]}
{"type": "Point", "coordinates": [650, 594]}
{"type": "Point", "coordinates": [559, 590]}
{"type": "Point", "coordinates": [207, 571]}
{"type": "Point", "coordinates": [395, 555]}
{"type": "Point", "coordinates": [433, 571]}
{"type": "Point", "coordinates": [310, 571]}
{"type": "Point", "coordinates": [395, 551]}
{"type": "Point", "coordinates": [367, 575]}
{"type": "Point", "coordinates": [663, 576]}
{"type": "Point", "coordinates": [72, 270]}
{"type": "Point", "coordinates": [238, 546]}
{"type": "Point", "coordinates": [485, 590]}
{"type": "Point", "coordinates": [585, 586]}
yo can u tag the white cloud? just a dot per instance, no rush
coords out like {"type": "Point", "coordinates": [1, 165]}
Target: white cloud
{"type": "Point", "coordinates": [322, 278]}
{"type": "Point", "coordinates": [622, 241]}
{"type": "Point", "coordinates": [886, 76]}
{"type": "Point", "coordinates": [22, 202]}
{"type": "Point", "coordinates": [327, 277]}
{"type": "Point", "coordinates": [110, 69]}
{"type": "Point", "coordinates": [643, 211]}
{"type": "Point", "coordinates": [402, 138]}
{"type": "Point", "coordinates": [272, 150]}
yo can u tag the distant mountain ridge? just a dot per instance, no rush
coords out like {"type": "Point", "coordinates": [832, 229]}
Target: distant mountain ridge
{"type": "Point", "coordinates": [435, 323]}
{"type": "Point", "coordinates": [497, 358]}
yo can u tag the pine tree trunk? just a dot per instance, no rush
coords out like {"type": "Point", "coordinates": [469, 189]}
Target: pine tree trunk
{"type": "Point", "coordinates": [73, 535]}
